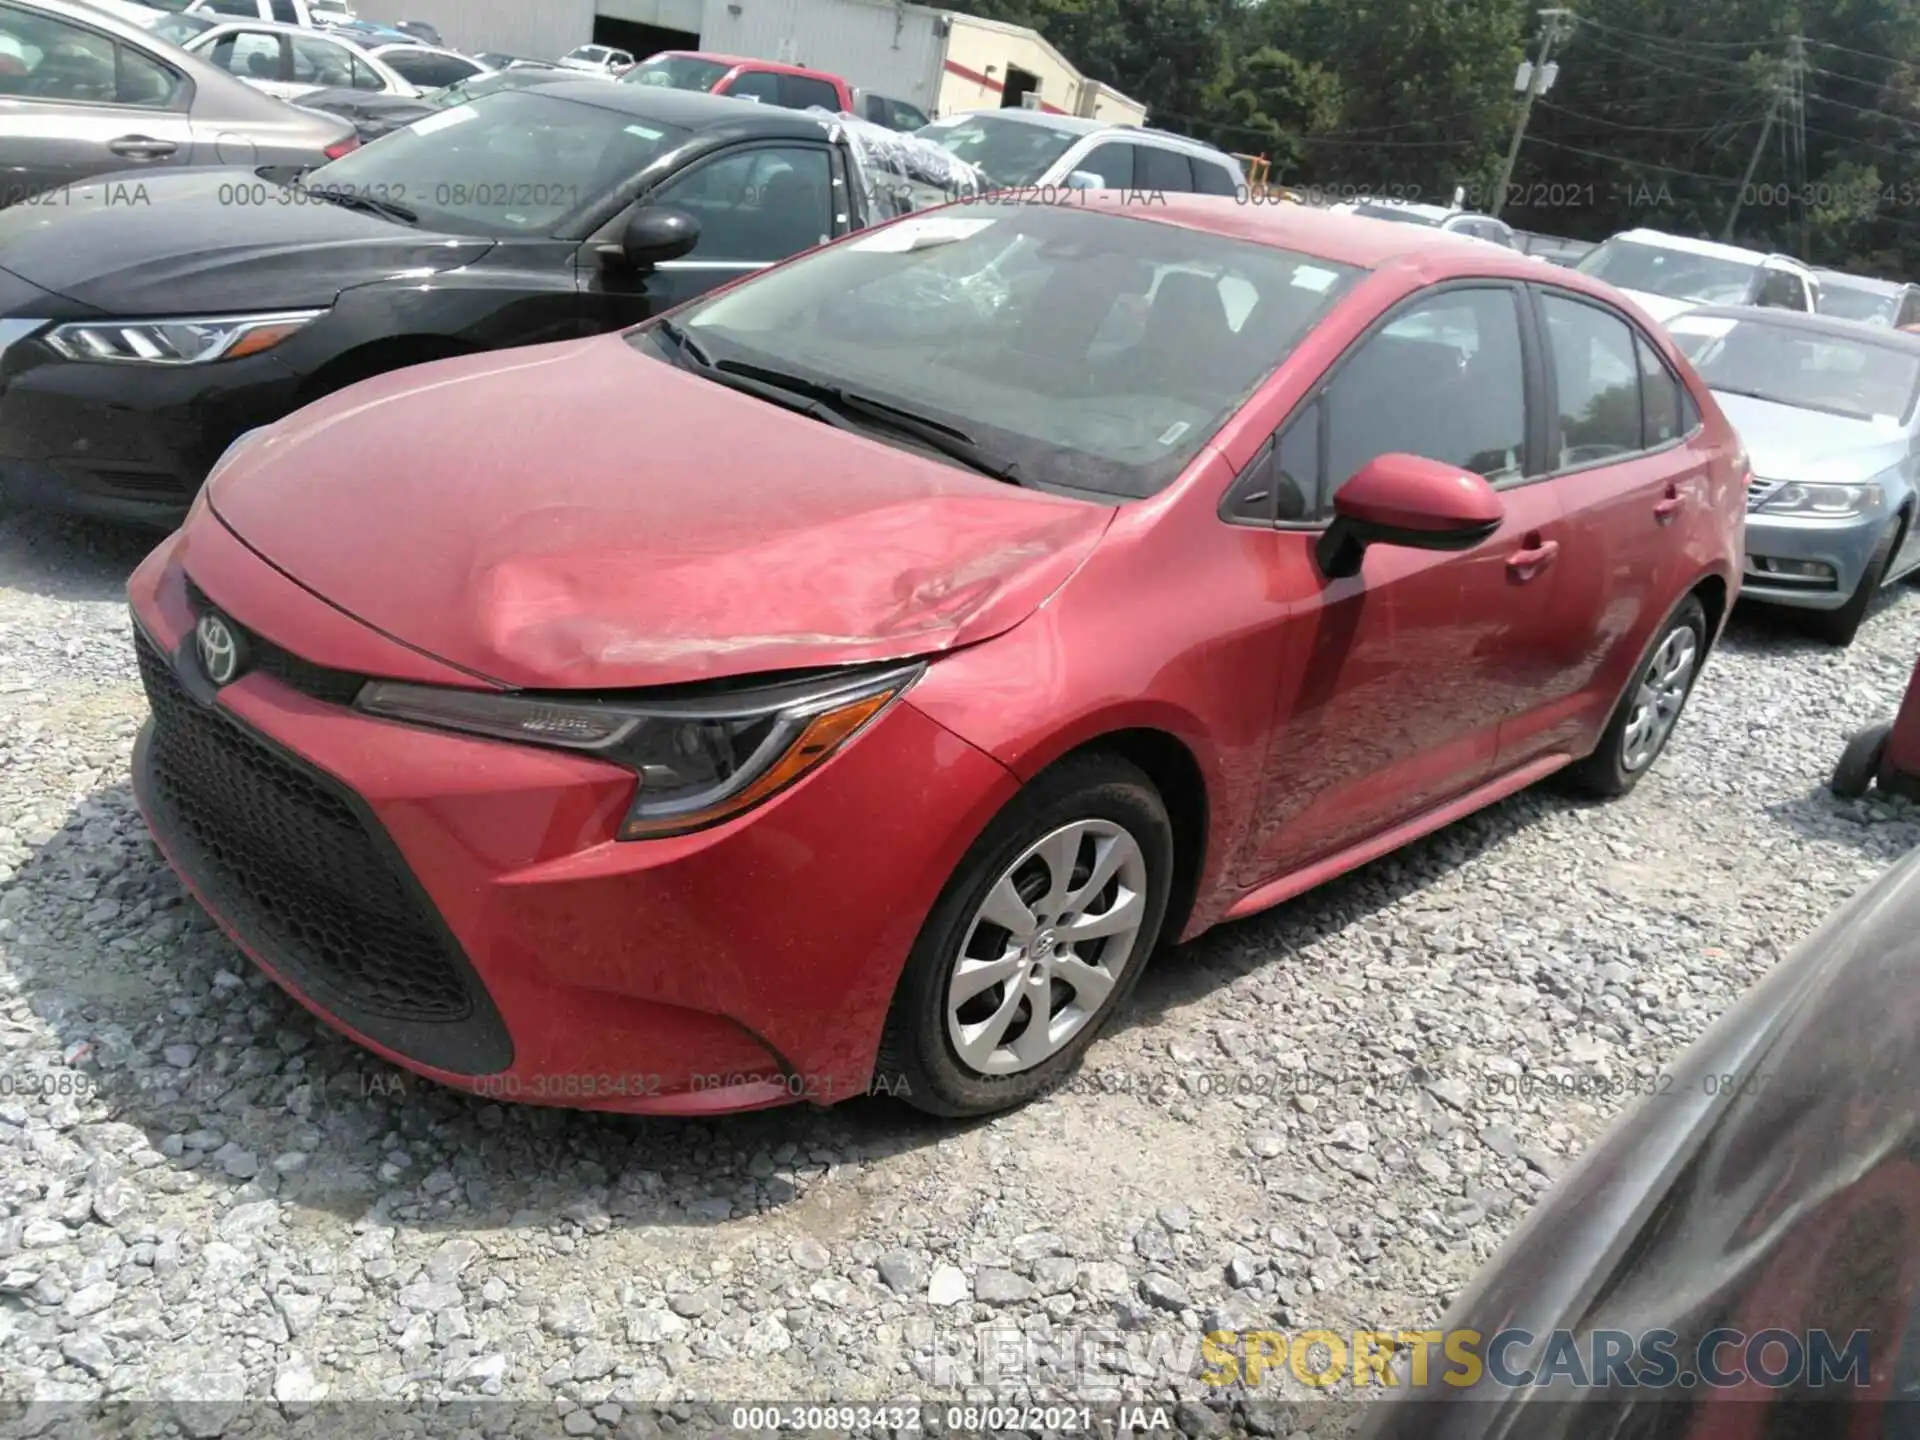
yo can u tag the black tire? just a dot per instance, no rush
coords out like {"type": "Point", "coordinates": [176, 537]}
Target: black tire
{"type": "Point", "coordinates": [1860, 763]}
{"type": "Point", "coordinates": [917, 1061]}
{"type": "Point", "coordinates": [1838, 627]}
{"type": "Point", "coordinates": [1604, 773]}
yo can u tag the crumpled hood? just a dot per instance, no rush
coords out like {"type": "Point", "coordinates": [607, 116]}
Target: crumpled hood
{"type": "Point", "coordinates": [1786, 442]}
{"type": "Point", "coordinates": [583, 516]}
{"type": "Point", "coordinates": [166, 242]}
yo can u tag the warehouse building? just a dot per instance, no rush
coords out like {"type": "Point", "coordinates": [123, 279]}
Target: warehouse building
{"type": "Point", "coordinates": [937, 60]}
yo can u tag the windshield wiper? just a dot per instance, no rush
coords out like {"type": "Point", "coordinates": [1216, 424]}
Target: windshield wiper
{"type": "Point", "coordinates": [693, 356]}
{"type": "Point", "coordinates": [372, 204]}
{"type": "Point", "coordinates": [936, 435]}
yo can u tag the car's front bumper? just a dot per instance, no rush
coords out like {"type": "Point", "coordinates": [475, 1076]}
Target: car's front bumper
{"type": "Point", "coordinates": [504, 941]}
{"type": "Point", "coordinates": [1781, 548]}
{"type": "Point", "coordinates": [125, 442]}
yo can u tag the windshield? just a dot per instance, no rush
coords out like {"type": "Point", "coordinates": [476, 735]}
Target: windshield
{"type": "Point", "coordinates": [485, 83]}
{"type": "Point", "coordinates": [1093, 351]}
{"type": "Point", "coordinates": [677, 72]}
{"type": "Point", "coordinates": [1007, 152]}
{"type": "Point", "coordinates": [1858, 302]}
{"type": "Point", "coordinates": [1677, 274]}
{"type": "Point", "coordinates": [512, 162]}
{"type": "Point", "coordinates": [1394, 212]}
{"type": "Point", "coordinates": [1802, 368]}
{"type": "Point", "coordinates": [181, 28]}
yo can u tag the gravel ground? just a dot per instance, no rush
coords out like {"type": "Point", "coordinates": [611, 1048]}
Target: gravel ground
{"type": "Point", "coordinates": [1313, 1118]}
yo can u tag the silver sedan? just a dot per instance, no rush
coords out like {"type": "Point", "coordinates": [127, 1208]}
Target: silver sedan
{"type": "Point", "coordinates": [86, 93]}
{"type": "Point", "coordinates": [1827, 408]}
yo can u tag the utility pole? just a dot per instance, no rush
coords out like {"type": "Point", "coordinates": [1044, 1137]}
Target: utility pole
{"type": "Point", "coordinates": [1785, 84]}
{"type": "Point", "coordinates": [1551, 34]}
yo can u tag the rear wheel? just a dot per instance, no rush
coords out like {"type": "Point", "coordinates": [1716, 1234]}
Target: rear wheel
{"type": "Point", "coordinates": [1838, 627]}
{"type": "Point", "coordinates": [1035, 943]}
{"type": "Point", "coordinates": [1647, 713]}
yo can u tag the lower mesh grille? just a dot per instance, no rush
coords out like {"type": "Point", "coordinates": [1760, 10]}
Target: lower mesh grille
{"type": "Point", "coordinates": [285, 858]}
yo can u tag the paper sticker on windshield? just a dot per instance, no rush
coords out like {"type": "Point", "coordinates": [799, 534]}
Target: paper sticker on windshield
{"type": "Point", "coordinates": [1174, 432]}
{"type": "Point", "coordinates": [1312, 277]}
{"type": "Point", "coordinates": [927, 230]}
{"type": "Point", "coordinates": [458, 115]}
{"type": "Point", "coordinates": [643, 132]}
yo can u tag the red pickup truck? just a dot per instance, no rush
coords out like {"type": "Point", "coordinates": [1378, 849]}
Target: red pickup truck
{"type": "Point", "coordinates": [791, 86]}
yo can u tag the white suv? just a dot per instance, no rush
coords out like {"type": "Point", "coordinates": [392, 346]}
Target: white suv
{"type": "Point", "coordinates": [1017, 148]}
{"type": "Point", "coordinates": [1671, 274]}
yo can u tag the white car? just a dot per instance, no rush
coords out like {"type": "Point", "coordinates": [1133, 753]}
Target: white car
{"type": "Point", "coordinates": [429, 66]}
{"type": "Point", "coordinates": [1668, 275]}
{"type": "Point", "coordinates": [1439, 217]}
{"type": "Point", "coordinates": [597, 60]}
{"type": "Point", "coordinates": [291, 60]}
{"type": "Point", "coordinates": [305, 13]}
{"type": "Point", "coordinates": [1014, 148]}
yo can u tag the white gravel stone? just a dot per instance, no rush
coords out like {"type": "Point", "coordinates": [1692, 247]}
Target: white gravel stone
{"type": "Point", "coordinates": [1337, 1109]}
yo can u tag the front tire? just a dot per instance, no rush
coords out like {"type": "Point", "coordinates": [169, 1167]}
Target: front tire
{"type": "Point", "coordinates": [1035, 943]}
{"type": "Point", "coordinates": [1838, 627]}
{"type": "Point", "coordinates": [1648, 712]}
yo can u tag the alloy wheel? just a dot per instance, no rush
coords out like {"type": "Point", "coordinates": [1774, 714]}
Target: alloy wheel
{"type": "Point", "coordinates": [1046, 947]}
{"type": "Point", "coordinates": [1657, 702]}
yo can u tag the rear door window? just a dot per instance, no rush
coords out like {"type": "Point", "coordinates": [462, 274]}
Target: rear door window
{"type": "Point", "coordinates": [1212, 179]}
{"type": "Point", "coordinates": [1158, 169]}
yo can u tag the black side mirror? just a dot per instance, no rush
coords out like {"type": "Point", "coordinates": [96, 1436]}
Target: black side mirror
{"type": "Point", "coordinates": [653, 234]}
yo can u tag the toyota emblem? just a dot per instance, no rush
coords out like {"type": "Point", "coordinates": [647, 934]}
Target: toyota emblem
{"type": "Point", "coordinates": [219, 649]}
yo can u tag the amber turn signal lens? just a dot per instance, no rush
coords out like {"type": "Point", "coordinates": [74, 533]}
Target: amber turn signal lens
{"type": "Point", "coordinates": [825, 733]}
{"type": "Point", "coordinates": [263, 337]}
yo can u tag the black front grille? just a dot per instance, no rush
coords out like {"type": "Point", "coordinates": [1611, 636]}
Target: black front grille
{"type": "Point", "coordinates": [284, 854]}
{"type": "Point", "coordinates": [336, 687]}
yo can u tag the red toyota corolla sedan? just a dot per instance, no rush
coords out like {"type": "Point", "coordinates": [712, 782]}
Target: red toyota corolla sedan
{"type": "Point", "coordinates": [846, 682]}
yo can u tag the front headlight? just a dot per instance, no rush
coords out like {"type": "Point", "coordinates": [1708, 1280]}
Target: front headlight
{"type": "Point", "coordinates": [1831, 501]}
{"type": "Point", "coordinates": [699, 761]}
{"type": "Point", "coordinates": [177, 342]}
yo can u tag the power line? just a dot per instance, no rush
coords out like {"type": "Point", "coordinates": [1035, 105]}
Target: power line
{"type": "Point", "coordinates": [1669, 40]}
{"type": "Point", "coordinates": [1645, 129]}
{"type": "Point", "coordinates": [1690, 76]}
{"type": "Point", "coordinates": [1633, 164]}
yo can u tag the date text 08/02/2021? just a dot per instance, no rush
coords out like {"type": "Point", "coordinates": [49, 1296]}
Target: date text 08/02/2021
{"type": "Point", "coordinates": [1064, 1418]}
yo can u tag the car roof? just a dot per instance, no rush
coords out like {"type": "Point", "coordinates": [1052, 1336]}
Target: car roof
{"type": "Point", "coordinates": [279, 27]}
{"type": "Point", "coordinates": [1834, 326]}
{"type": "Point", "coordinates": [1080, 125]}
{"type": "Point", "coordinates": [1412, 207]}
{"type": "Point", "coordinates": [777, 67]}
{"type": "Point", "coordinates": [1046, 120]}
{"type": "Point", "coordinates": [1842, 280]}
{"type": "Point", "coordinates": [688, 109]}
{"type": "Point", "coordinates": [1692, 246]}
{"type": "Point", "coordinates": [1346, 239]}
